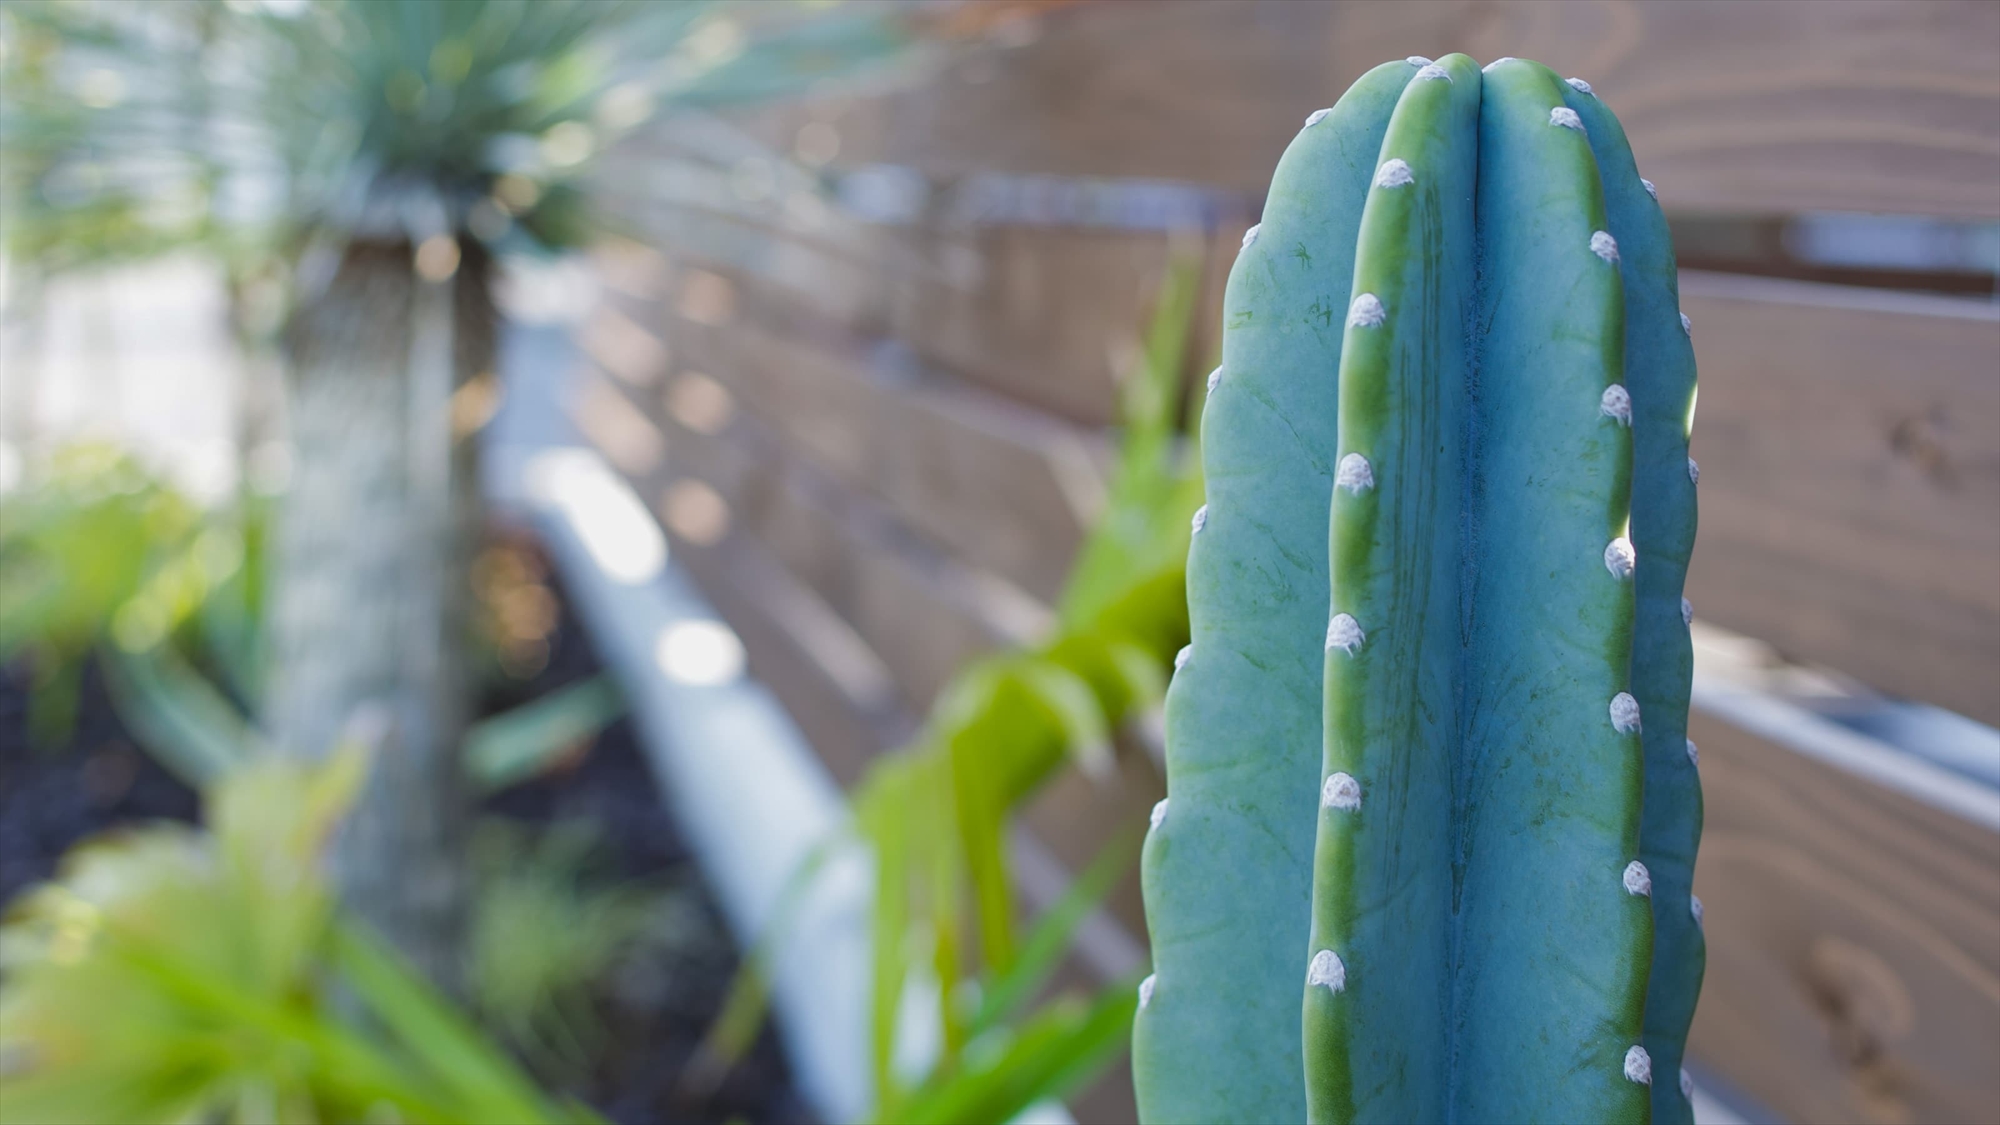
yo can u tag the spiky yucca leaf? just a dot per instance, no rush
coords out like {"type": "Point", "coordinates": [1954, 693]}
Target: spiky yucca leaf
{"type": "Point", "coordinates": [133, 128]}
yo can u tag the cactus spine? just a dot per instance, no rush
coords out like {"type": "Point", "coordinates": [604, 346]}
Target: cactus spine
{"type": "Point", "coordinates": [1437, 597]}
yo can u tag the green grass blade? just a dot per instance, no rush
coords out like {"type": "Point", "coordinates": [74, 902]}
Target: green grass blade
{"type": "Point", "coordinates": [436, 1036]}
{"type": "Point", "coordinates": [518, 744]}
{"type": "Point", "coordinates": [1043, 949]}
{"type": "Point", "coordinates": [182, 720]}
{"type": "Point", "coordinates": [1059, 1048]}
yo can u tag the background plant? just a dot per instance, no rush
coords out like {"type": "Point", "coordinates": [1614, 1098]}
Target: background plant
{"type": "Point", "coordinates": [549, 926]}
{"type": "Point", "coordinates": [934, 814]}
{"type": "Point", "coordinates": [373, 156]}
{"type": "Point", "coordinates": [105, 561]}
{"type": "Point", "coordinates": [174, 974]}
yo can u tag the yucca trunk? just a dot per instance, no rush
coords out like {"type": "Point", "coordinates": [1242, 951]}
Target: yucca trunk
{"type": "Point", "coordinates": [367, 621]}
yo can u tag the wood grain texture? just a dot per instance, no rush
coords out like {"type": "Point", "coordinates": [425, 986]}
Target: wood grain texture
{"type": "Point", "coordinates": [1050, 316]}
{"type": "Point", "coordinates": [918, 611]}
{"type": "Point", "coordinates": [1854, 942]}
{"type": "Point", "coordinates": [783, 627]}
{"type": "Point", "coordinates": [1863, 105]}
{"type": "Point", "coordinates": [1004, 487]}
{"type": "Point", "coordinates": [1849, 444]}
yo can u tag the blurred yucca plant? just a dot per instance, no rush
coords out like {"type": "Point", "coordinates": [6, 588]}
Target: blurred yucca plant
{"type": "Point", "coordinates": [176, 975]}
{"type": "Point", "coordinates": [379, 152]}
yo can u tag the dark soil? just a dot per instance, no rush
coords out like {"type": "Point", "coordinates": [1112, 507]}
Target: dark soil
{"type": "Point", "coordinates": [648, 1020]}
{"type": "Point", "coordinates": [53, 796]}
{"type": "Point", "coordinates": [652, 1020]}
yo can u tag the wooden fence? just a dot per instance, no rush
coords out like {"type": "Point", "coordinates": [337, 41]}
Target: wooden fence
{"type": "Point", "coordinates": [874, 428]}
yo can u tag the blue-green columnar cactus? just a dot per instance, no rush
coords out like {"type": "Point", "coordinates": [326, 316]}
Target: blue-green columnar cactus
{"type": "Point", "coordinates": [1426, 757]}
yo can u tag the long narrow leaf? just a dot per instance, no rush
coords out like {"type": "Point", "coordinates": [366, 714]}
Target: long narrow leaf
{"type": "Point", "coordinates": [1061, 1045]}
{"type": "Point", "coordinates": [434, 1034]}
{"type": "Point", "coordinates": [747, 1001]}
{"type": "Point", "coordinates": [1043, 950]}
{"type": "Point", "coordinates": [184, 721]}
{"type": "Point", "coordinates": [518, 744]}
{"type": "Point", "coordinates": [885, 823]}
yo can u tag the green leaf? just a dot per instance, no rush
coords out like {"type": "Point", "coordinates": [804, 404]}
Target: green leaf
{"type": "Point", "coordinates": [434, 1035]}
{"type": "Point", "coordinates": [1042, 952]}
{"type": "Point", "coordinates": [1048, 1057]}
{"type": "Point", "coordinates": [1146, 506]}
{"type": "Point", "coordinates": [183, 721]}
{"type": "Point", "coordinates": [515, 745]}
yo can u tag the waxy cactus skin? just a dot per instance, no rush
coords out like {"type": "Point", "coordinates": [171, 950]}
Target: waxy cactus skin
{"type": "Point", "coordinates": [1432, 818]}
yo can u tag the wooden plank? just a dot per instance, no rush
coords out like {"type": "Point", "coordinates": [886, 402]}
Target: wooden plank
{"type": "Point", "coordinates": [833, 282]}
{"type": "Point", "coordinates": [1854, 942]}
{"type": "Point", "coordinates": [1860, 105]}
{"type": "Point", "coordinates": [922, 613]}
{"type": "Point", "coordinates": [1004, 487]}
{"type": "Point", "coordinates": [826, 678]}
{"type": "Point", "coordinates": [1855, 105]}
{"type": "Point", "coordinates": [1050, 317]}
{"type": "Point", "coordinates": [1849, 444]}
{"type": "Point", "coordinates": [916, 611]}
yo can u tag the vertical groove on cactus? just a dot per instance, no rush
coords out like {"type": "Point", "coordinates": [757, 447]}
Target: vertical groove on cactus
{"type": "Point", "coordinates": [1659, 366]}
{"type": "Point", "coordinates": [1382, 894]}
{"type": "Point", "coordinates": [1453, 358]}
{"type": "Point", "coordinates": [1227, 876]}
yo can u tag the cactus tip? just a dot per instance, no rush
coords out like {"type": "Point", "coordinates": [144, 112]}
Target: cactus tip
{"type": "Point", "coordinates": [1616, 404]}
{"type": "Point", "coordinates": [1687, 612]}
{"type": "Point", "coordinates": [1604, 246]}
{"type": "Point", "coordinates": [1181, 657]}
{"type": "Point", "coordinates": [1327, 969]}
{"type": "Point", "coordinates": [1316, 116]}
{"type": "Point", "coordinates": [1250, 236]}
{"type": "Point", "coordinates": [1341, 792]}
{"type": "Point", "coordinates": [1580, 86]}
{"type": "Point", "coordinates": [1694, 472]}
{"type": "Point", "coordinates": [1432, 73]}
{"type": "Point", "coordinates": [1620, 558]}
{"type": "Point", "coordinates": [1624, 713]}
{"type": "Point", "coordinates": [1639, 1065]}
{"type": "Point", "coordinates": [1565, 117]}
{"type": "Point", "coordinates": [1200, 519]}
{"type": "Point", "coordinates": [1214, 380]}
{"type": "Point", "coordinates": [1354, 474]}
{"type": "Point", "coordinates": [1393, 173]}
{"type": "Point", "coordinates": [1687, 1084]}
{"type": "Point", "coordinates": [1417, 60]}
{"type": "Point", "coordinates": [1638, 880]}
{"type": "Point", "coordinates": [1694, 753]}
{"type": "Point", "coordinates": [1366, 311]}
{"type": "Point", "coordinates": [1159, 812]}
{"type": "Point", "coordinates": [1687, 326]}
{"type": "Point", "coordinates": [1650, 189]}
{"type": "Point", "coordinates": [1488, 68]}
{"type": "Point", "coordinates": [1694, 909]}
{"type": "Point", "coordinates": [1146, 990]}
{"type": "Point", "coordinates": [1344, 633]}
